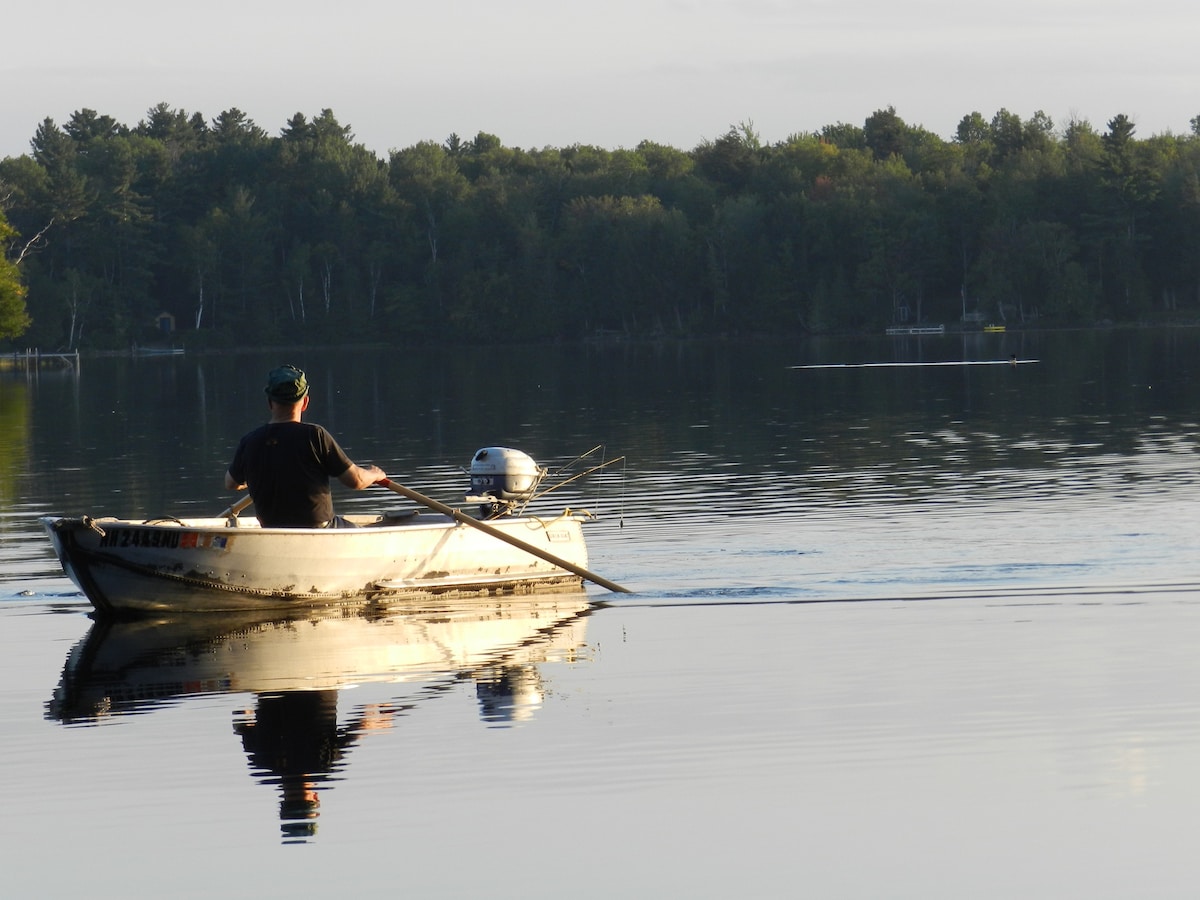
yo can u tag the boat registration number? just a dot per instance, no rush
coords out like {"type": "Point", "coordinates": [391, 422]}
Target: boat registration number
{"type": "Point", "coordinates": [163, 538]}
{"type": "Point", "coordinates": [139, 537]}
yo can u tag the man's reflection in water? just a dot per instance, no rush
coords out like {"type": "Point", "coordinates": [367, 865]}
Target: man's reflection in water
{"type": "Point", "coordinates": [294, 736]}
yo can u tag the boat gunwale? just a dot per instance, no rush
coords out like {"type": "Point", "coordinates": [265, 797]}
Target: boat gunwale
{"type": "Point", "coordinates": [208, 524]}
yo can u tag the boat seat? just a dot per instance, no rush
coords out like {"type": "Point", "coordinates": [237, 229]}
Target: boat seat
{"type": "Point", "coordinates": [395, 518]}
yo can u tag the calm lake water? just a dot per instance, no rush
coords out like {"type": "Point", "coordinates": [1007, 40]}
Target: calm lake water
{"type": "Point", "coordinates": [896, 631]}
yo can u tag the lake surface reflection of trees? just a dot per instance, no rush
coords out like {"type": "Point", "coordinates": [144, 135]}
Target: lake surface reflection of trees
{"type": "Point", "coordinates": [14, 435]}
{"type": "Point", "coordinates": [733, 423]}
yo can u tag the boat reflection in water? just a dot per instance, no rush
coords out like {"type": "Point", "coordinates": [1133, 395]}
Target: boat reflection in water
{"type": "Point", "coordinates": [295, 667]}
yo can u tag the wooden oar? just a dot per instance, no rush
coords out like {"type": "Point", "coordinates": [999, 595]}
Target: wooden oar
{"type": "Point", "coordinates": [236, 508]}
{"type": "Point", "coordinates": [461, 517]}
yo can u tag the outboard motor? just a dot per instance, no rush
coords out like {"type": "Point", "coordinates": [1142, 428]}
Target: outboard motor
{"type": "Point", "coordinates": [502, 479]}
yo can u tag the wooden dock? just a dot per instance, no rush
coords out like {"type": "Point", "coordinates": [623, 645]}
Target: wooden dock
{"type": "Point", "coordinates": [916, 329]}
{"type": "Point", "coordinates": [34, 359]}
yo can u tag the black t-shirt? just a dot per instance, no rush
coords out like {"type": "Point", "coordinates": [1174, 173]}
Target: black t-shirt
{"type": "Point", "coordinates": [287, 467]}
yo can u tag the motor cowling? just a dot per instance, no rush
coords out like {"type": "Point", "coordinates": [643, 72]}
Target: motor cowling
{"type": "Point", "coordinates": [504, 477]}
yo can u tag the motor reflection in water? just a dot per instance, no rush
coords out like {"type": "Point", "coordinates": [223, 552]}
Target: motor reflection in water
{"type": "Point", "coordinates": [293, 736]}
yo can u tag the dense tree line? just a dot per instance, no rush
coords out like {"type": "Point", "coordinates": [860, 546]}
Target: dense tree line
{"type": "Point", "coordinates": [14, 318]}
{"type": "Point", "coordinates": [239, 237]}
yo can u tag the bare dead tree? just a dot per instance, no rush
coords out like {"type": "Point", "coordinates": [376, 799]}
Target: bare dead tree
{"type": "Point", "coordinates": [34, 243]}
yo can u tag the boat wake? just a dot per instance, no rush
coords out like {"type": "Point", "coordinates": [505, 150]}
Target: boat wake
{"type": "Point", "coordinates": [1000, 595]}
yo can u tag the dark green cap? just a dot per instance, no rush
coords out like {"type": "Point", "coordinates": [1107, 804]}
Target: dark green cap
{"type": "Point", "coordinates": [286, 384]}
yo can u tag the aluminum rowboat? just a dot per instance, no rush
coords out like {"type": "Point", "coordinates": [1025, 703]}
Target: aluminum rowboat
{"type": "Point", "coordinates": [128, 567]}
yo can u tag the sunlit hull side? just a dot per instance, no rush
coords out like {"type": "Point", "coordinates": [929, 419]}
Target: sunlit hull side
{"type": "Point", "coordinates": [127, 567]}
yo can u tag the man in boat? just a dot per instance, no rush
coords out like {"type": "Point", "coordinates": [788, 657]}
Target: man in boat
{"type": "Point", "coordinates": [287, 463]}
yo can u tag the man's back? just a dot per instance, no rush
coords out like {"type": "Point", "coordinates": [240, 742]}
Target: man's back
{"type": "Point", "coordinates": [287, 467]}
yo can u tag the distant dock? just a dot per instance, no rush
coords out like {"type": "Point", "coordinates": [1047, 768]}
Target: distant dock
{"type": "Point", "coordinates": [916, 329]}
{"type": "Point", "coordinates": [34, 359]}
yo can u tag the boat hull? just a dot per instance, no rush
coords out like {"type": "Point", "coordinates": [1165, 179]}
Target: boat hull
{"type": "Point", "coordinates": [223, 565]}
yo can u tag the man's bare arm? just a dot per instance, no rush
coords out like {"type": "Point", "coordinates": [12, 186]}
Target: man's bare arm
{"type": "Point", "coordinates": [359, 477]}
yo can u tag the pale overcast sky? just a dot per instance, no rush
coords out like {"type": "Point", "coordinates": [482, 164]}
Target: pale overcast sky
{"type": "Point", "coordinates": [610, 73]}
